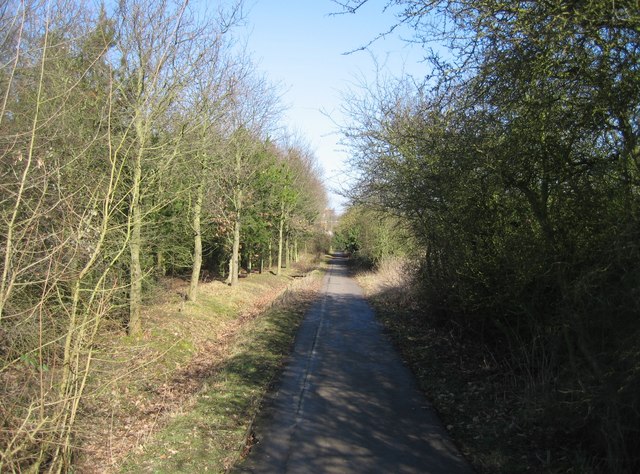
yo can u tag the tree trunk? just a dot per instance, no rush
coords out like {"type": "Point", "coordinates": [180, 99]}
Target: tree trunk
{"type": "Point", "coordinates": [197, 245]}
{"type": "Point", "coordinates": [235, 255]}
{"type": "Point", "coordinates": [280, 242]}
{"type": "Point", "coordinates": [287, 254]}
{"type": "Point", "coordinates": [135, 244]}
{"type": "Point", "coordinates": [160, 268]}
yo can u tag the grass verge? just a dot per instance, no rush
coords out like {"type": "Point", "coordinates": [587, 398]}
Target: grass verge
{"type": "Point", "coordinates": [210, 436]}
{"type": "Point", "coordinates": [182, 398]}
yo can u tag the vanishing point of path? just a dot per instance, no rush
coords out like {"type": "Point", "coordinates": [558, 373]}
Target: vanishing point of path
{"type": "Point", "coordinates": [346, 402]}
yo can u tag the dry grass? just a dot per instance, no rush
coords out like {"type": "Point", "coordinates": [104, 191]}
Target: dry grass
{"type": "Point", "coordinates": [140, 386]}
{"type": "Point", "coordinates": [486, 413]}
{"type": "Point", "coordinates": [391, 283]}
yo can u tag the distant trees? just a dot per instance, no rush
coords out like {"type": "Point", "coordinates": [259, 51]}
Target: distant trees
{"type": "Point", "coordinates": [517, 165]}
{"type": "Point", "coordinates": [372, 235]}
{"type": "Point", "coordinates": [133, 143]}
{"type": "Point", "coordinates": [300, 200]}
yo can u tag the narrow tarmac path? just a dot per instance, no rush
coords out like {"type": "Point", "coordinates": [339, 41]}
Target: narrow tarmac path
{"type": "Point", "coordinates": [346, 403]}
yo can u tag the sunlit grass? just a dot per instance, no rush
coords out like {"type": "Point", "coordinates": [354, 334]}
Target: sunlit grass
{"type": "Point", "coordinates": [209, 433]}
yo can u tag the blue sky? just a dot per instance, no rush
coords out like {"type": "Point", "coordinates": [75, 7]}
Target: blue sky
{"type": "Point", "coordinates": [298, 44]}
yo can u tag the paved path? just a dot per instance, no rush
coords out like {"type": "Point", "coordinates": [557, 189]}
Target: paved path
{"type": "Point", "coordinates": [346, 403]}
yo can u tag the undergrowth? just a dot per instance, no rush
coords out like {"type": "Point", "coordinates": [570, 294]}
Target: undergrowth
{"type": "Point", "coordinates": [498, 423]}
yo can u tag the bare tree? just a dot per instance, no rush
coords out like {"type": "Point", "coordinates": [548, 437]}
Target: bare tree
{"type": "Point", "coordinates": [212, 103]}
{"type": "Point", "coordinates": [156, 47]}
{"type": "Point", "coordinates": [255, 106]}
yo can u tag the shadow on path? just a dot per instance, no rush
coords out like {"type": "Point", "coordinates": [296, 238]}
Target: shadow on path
{"type": "Point", "coordinates": [346, 402]}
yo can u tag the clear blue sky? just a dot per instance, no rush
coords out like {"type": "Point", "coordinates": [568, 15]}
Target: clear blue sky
{"type": "Point", "coordinates": [299, 44]}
